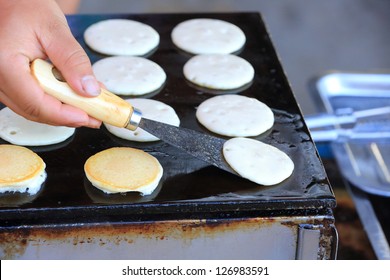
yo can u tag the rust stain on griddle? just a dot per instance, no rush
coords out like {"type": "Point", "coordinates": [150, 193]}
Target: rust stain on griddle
{"type": "Point", "coordinates": [13, 244]}
{"type": "Point", "coordinates": [15, 241]}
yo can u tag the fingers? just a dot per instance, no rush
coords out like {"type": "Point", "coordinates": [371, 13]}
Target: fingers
{"type": "Point", "coordinates": [54, 112]}
{"type": "Point", "coordinates": [38, 29]}
{"type": "Point", "coordinates": [69, 57]}
{"type": "Point", "coordinates": [29, 100]}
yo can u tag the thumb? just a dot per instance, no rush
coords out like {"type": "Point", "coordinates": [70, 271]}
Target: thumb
{"type": "Point", "coordinates": [69, 57]}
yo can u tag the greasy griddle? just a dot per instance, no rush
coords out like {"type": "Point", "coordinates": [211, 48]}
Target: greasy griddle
{"type": "Point", "coordinates": [188, 185]}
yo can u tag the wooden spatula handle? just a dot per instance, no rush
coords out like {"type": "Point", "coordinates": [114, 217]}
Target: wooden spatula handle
{"type": "Point", "coordinates": [106, 107]}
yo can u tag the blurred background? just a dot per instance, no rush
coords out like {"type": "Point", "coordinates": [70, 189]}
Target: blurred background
{"type": "Point", "coordinates": [310, 37]}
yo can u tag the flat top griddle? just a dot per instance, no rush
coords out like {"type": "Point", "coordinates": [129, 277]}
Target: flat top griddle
{"type": "Point", "coordinates": [188, 185]}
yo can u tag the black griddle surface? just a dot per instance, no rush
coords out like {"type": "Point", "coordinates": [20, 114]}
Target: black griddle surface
{"type": "Point", "coordinates": [188, 185]}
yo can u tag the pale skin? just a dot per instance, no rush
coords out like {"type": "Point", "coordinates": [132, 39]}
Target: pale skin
{"type": "Point", "coordinates": [68, 6]}
{"type": "Point", "coordinates": [33, 29]}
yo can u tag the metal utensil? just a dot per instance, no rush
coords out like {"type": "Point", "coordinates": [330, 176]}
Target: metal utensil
{"type": "Point", "coordinates": [113, 110]}
{"type": "Point", "coordinates": [347, 123]}
{"type": "Point", "coordinates": [348, 116]}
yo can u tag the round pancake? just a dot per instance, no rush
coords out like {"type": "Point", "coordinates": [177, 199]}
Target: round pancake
{"type": "Point", "coordinates": [128, 75]}
{"type": "Point", "coordinates": [219, 71]}
{"type": "Point", "coordinates": [121, 37]}
{"type": "Point", "coordinates": [19, 131]}
{"type": "Point", "coordinates": [123, 169]}
{"type": "Point", "coordinates": [206, 36]}
{"type": "Point", "coordinates": [151, 109]}
{"type": "Point", "coordinates": [21, 170]}
{"type": "Point", "coordinates": [235, 115]}
{"type": "Point", "coordinates": [256, 161]}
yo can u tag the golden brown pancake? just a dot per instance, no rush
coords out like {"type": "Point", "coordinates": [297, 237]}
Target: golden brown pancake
{"type": "Point", "coordinates": [123, 169]}
{"type": "Point", "coordinates": [21, 170]}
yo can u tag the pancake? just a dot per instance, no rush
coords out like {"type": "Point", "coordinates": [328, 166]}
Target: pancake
{"type": "Point", "coordinates": [219, 71]}
{"type": "Point", "coordinates": [151, 109]}
{"type": "Point", "coordinates": [235, 115]}
{"type": "Point", "coordinates": [121, 37]}
{"type": "Point", "coordinates": [128, 75]}
{"type": "Point", "coordinates": [256, 161]}
{"type": "Point", "coordinates": [21, 170]}
{"type": "Point", "coordinates": [122, 169]}
{"type": "Point", "coordinates": [19, 131]}
{"type": "Point", "coordinates": [206, 36]}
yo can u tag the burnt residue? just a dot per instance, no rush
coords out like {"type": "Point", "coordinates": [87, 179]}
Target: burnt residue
{"type": "Point", "coordinates": [15, 241]}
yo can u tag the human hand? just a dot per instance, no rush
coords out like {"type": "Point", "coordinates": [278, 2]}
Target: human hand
{"type": "Point", "coordinates": [33, 29]}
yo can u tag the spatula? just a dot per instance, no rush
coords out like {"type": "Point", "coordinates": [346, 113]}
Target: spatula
{"type": "Point", "coordinates": [113, 110]}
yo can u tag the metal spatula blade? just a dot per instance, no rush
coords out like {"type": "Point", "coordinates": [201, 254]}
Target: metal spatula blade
{"type": "Point", "coordinates": [113, 110]}
{"type": "Point", "coordinates": [202, 146]}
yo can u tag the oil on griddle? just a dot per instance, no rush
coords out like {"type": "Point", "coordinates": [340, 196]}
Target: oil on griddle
{"type": "Point", "coordinates": [188, 185]}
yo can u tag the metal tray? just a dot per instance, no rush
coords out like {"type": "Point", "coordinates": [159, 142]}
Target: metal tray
{"type": "Point", "coordinates": [188, 186]}
{"type": "Point", "coordinates": [363, 161]}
